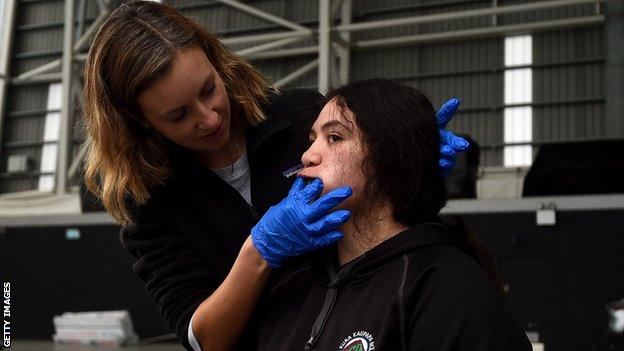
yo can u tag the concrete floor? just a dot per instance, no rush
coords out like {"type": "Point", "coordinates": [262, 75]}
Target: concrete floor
{"type": "Point", "coordinates": [29, 345]}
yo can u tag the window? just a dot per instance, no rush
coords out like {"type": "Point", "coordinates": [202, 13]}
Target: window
{"type": "Point", "coordinates": [518, 91]}
{"type": "Point", "coordinates": [49, 151]}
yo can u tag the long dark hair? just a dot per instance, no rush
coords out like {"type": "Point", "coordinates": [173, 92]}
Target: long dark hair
{"type": "Point", "coordinates": [401, 139]}
{"type": "Point", "coordinates": [400, 135]}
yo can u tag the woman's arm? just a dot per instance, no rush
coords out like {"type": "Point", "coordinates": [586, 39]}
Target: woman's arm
{"type": "Point", "coordinates": [177, 277]}
{"type": "Point", "coordinates": [290, 228]}
{"type": "Point", "coordinates": [185, 283]}
{"type": "Point", "coordinates": [220, 319]}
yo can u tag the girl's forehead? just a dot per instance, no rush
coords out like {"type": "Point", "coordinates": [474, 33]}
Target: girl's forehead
{"type": "Point", "coordinates": [333, 111]}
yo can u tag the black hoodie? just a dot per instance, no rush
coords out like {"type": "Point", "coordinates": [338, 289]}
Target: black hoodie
{"type": "Point", "coordinates": [419, 290]}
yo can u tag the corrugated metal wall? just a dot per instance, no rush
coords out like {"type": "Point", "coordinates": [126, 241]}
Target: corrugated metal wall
{"type": "Point", "coordinates": [38, 40]}
{"type": "Point", "coordinates": [441, 70]}
{"type": "Point", "coordinates": [569, 84]}
{"type": "Point", "coordinates": [568, 68]}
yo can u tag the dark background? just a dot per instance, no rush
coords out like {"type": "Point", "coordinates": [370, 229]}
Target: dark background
{"type": "Point", "coordinates": [560, 277]}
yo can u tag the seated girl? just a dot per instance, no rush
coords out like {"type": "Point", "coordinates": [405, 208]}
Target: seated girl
{"type": "Point", "coordinates": [399, 279]}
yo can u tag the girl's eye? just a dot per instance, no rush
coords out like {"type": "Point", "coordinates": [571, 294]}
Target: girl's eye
{"type": "Point", "coordinates": [334, 138]}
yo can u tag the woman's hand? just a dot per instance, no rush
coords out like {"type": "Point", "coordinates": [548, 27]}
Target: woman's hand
{"type": "Point", "coordinates": [298, 224]}
{"type": "Point", "coordinates": [450, 144]}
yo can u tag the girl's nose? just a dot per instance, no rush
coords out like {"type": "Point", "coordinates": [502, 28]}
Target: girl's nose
{"type": "Point", "coordinates": [311, 157]}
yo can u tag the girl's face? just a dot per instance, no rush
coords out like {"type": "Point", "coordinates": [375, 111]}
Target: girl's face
{"type": "Point", "coordinates": [336, 153]}
{"type": "Point", "coordinates": [189, 105]}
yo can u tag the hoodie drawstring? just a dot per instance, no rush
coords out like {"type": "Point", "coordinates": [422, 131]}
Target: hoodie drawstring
{"type": "Point", "coordinates": [328, 306]}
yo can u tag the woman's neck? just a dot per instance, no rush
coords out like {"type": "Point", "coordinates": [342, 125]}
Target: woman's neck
{"type": "Point", "coordinates": [230, 153]}
{"type": "Point", "coordinates": [375, 229]}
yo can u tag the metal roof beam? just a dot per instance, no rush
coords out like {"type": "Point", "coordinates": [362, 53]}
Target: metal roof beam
{"type": "Point", "coordinates": [267, 46]}
{"type": "Point", "coordinates": [265, 15]}
{"type": "Point", "coordinates": [479, 32]}
{"type": "Point", "coordinates": [461, 15]}
{"type": "Point", "coordinates": [84, 39]}
{"type": "Point", "coordinates": [67, 106]}
{"type": "Point", "coordinates": [324, 47]}
{"type": "Point", "coordinates": [297, 73]}
{"type": "Point", "coordinates": [6, 38]}
{"type": "Point", "coordinates": [38, 70]}
{"type": "Point", "coordinates": [265, 37]}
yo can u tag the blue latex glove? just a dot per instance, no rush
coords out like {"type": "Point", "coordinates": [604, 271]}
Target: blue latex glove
{"type": "Point", "coordinates": [298, 224]}
{"type": "Point", "coordinates": [450, 144]}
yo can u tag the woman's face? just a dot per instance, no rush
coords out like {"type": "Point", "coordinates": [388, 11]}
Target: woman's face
{"type": "Point", "coordinates": [189, 105]}
{"type": "Point", "coordinates": [336, 153]}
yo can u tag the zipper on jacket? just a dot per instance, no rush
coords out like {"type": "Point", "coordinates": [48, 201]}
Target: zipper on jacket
{"type": "Point", "coordinates": [254, 214]}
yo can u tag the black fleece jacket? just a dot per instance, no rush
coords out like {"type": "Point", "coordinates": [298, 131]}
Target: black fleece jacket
{"type": "Point", "coordinates": [419, 290]}
{"type": "Point", "coordinates": [188, 236]}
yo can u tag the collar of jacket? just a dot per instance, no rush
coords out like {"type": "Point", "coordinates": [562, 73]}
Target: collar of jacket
{"type": "Point", "coordinates": [185, 165]}
{"type": "Point", "coordinates": [259, 134]}
{"type": "Point", "coordinates": [423, 235]}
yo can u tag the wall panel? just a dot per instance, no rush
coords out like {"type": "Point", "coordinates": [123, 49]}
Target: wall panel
{"type": "Point", "coordinates": [568, 69]}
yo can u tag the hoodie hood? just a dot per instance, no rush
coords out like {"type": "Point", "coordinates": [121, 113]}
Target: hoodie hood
{"type": "Point", "coordinates": [410, 240]}
{"type": "Point", "coordinates": [361, 269]}
{"type": "Point", "coordinates": [416, 290]}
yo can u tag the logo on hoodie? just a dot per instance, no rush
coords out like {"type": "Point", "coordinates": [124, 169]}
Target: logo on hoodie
{"type": "Point", "coordinates": [358, 341]}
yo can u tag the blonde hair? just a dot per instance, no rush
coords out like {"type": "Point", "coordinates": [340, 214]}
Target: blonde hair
{"type": "Point", "coordinates": [135, 46]}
